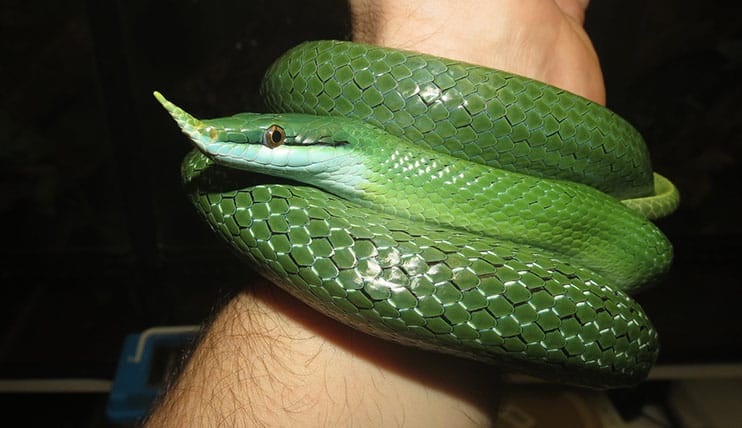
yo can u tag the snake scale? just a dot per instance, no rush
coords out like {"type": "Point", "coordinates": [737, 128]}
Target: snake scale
{"type": "Point", "coordinates": [443, 205]}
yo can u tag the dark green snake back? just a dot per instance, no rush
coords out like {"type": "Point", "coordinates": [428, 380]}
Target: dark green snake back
{"type": "Point", "coordinates": [468, 111]}
{"type": "Point", "coordinates": [439, 289]}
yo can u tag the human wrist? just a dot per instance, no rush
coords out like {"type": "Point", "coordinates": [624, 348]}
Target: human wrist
{"type": "Point", "coordinates": [540, 39]}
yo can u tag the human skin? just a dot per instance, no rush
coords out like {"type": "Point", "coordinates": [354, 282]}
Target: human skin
{"type": "Point", "coordinates": [269, 360]}
{"type": "Point", "coordinates": [540, 39]}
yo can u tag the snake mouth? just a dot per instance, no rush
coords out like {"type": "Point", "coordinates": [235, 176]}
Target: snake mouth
{"type": "Point", "coordinates": [201, 175]}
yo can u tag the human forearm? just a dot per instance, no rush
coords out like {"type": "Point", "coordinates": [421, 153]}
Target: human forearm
{"type": "Point", "coordinates": [268, 360]}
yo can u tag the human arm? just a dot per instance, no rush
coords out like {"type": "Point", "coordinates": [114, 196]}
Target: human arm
{"type": "Point", "coordinates": [269, 360]}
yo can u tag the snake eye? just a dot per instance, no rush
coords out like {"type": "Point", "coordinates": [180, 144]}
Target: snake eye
{"type": "Point", "coordinates": [274, 136]}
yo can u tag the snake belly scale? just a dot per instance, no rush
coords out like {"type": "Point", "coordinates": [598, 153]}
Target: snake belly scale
{"type": "Point", "coordinates": [449, 207]}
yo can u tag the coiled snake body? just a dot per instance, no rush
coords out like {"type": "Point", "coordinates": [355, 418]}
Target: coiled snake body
{"type": "Point", "coordinates": [450, 207]}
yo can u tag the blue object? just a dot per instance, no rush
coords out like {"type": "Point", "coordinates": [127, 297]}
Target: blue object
{"type": "Point", "coordinates": [145, 361]}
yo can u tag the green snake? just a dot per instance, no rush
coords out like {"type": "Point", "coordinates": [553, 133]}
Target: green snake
{"type": "Point", "coordinates": [443, 205]}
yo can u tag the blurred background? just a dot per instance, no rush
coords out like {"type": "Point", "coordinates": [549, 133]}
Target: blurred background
{"type": "Point", "coordinates": [99, 240]}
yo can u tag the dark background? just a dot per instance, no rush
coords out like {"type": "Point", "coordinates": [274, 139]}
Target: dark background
{"type": "Point", "coordinates": [98, 239]}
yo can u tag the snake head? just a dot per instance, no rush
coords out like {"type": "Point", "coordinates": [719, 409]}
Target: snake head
{"type": "Point", "coordinates": [306, 148]}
